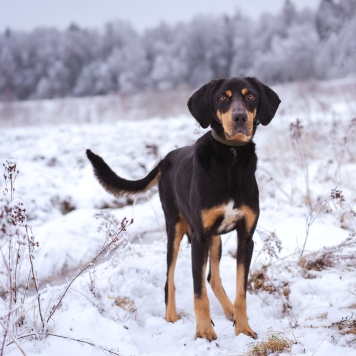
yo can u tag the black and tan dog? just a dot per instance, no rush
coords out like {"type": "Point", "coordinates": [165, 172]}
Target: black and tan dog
{"type": "Point", "coordinates": [209, 189]}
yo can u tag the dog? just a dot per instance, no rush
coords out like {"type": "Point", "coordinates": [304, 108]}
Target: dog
{"type": "Point", "coordinates": [208, 189]}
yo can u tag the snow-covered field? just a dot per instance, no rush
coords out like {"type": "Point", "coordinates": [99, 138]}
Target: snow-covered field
{"type": "Point", "coordinates": [119, 303]}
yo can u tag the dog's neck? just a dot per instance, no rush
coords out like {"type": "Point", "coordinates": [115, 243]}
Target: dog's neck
{"type": "Point", "coordinates": [232, 143]}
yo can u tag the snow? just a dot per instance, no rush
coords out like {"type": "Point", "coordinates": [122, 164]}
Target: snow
{"type": "Point", "coordinates": [119, 303]}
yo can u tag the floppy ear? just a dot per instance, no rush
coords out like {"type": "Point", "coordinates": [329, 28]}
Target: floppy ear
{"type": "Point", "coordinates": [199, 104]}
{"type": "Point", "coordinates": [268, 105]}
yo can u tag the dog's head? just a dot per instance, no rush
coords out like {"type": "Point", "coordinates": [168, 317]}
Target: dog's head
{"type": "Point", "coordinates": [234, 107]}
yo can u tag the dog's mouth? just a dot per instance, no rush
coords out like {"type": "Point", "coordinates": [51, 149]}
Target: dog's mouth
{"type": "Point", "coordinates": [238, 134]}
{"type": "Point", "coordinates": [239, 131]}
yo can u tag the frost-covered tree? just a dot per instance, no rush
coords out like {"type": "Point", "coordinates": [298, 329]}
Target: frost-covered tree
{"type": "Point", "coordinates": [243, 45]}
{"type": "Point", "coordinates": [336, 24]}
{"type": "Point", "coordinates": [290, 57]}
{"type": "Point", "coordinates": [7, 68]}
{"type": "Point", "coordinates": [165, 51]}
{"type": "Point", "coordinates": [285, 46]}
{"type": "Point", "coordinates": [290, 45]}
{"type": "Point", "coordinates": [118, 62]}
{"type": "Point", "coordinates": [328, 19]}
{"type": "Point", "coordinates": [197, 51]}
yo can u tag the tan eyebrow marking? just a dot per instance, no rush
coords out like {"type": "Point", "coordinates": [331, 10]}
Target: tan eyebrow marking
{"type": "Point", "coordinates": [228, 93]}
{"type": "Point", "coordinates": [244, 91]}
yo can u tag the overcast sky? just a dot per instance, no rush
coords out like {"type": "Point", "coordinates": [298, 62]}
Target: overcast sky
{"type": "Point", "coordinates": [29, 14]}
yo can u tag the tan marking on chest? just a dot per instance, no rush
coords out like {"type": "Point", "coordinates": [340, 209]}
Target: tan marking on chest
{"type": "Point", "coordinates": [226, 212]}
{"type": "Point", "coordinates": [250, 217]}
{"type": "Point", "coordinates": [209, 216]}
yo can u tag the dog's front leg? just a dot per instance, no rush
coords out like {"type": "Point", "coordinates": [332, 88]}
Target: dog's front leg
{"type": "Point", "coordinates": [200, 248]}
{"type": "Point", "coordinates": [245, 230]}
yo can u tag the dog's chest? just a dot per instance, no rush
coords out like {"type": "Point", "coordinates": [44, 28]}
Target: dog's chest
{"type": "Point", "coordinates": [221, 218]}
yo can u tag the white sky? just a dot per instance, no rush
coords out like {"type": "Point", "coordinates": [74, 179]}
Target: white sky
{"type": "Point", "coordinates": [29, 14]}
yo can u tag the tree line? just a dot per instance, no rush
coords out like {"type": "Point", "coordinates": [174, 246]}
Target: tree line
{"type": "Point", "coordinates": [291, 45]}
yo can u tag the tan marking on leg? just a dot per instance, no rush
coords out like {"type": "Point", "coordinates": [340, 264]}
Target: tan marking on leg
{"type": "Point", "coordinates": [244, 91]}
{"type": "Point", "coordinates": [240, 313]}
{"type": "Point", "coordinates": [209, 216]}
{"type": "Point", "coordinates": [250, 217]}
{"type": "Point", "coordinates": [171, 311]}
{"type": "Point", "coordinates": [215, 280]}
{"type": "Point", "coordinates": [228, 93]}
{"type": "Point", "coordinates": [204, 328]}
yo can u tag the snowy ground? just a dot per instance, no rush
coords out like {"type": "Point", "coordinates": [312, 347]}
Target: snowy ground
{"type": "Point", "coordinates": [119, 305]}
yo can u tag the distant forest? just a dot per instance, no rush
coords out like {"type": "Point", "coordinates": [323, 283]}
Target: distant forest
{"type": "Point", "coordinates": [292, 45]}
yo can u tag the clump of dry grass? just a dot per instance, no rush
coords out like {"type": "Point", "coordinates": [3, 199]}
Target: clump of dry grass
{"type": "Point", "coordinates": [260, 281]}
{"type": "Point", "coordinates": [127, 304]}
{"type": "Point", "coordinates": [315, 261]}
{"type": "Point", "coordinates": [275, 343]}
{"type": "Point", "coordinates": [329, 257]}
{"type": "Point", "coordinates": [346, 325]}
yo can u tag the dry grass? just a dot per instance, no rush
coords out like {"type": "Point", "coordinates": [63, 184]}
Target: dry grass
{"type": "Point", "coordinates": [275, 343]}
{"type": "Point", "coordinates": [315, 262]}
{"type": "Point", "coordinates": [341, 255]}
{"type": "Point", "coordinates": [346, 325]}
{"type": "Point", "coordinates": [127, 304]}
{"type": "Point", "coordinates": [260, 281]}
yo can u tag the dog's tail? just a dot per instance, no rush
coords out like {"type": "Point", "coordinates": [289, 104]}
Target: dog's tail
{"type": "Point", "coordinates": [118, 186]}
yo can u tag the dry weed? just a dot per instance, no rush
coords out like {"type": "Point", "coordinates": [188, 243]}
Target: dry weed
{"type": "Point", "coordinates": [346, 325]}
{"type": "Point", "coordinates": [272, 245]}
{"type": "Point", "coordinates": [328, 257]}
{"type": "Point", "coordinates": [127, 304]}
{"type": "Point", "coordinates": [259, 281]}
{"type": "Point", "coordinates": [276, 343]}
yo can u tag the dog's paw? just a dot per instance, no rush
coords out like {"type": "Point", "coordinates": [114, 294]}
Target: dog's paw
{"type": "Point", "coordinates": [244, 328]}
{"type": "Point", "coordinates": [206, 332]}
{"type": "Point", "coordinates": [172, 317]}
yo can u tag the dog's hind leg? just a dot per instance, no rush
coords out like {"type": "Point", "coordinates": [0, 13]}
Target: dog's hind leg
{"type": "Point", "coordinates": [214, 276]}
{"type": "Point", "coordinates": [175, 232]}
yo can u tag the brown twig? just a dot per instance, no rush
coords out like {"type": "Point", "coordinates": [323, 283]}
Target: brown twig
{"type": "Point", "coordinates": [13, 340]}
{"type": "Point", "coordinates": [111, 352]}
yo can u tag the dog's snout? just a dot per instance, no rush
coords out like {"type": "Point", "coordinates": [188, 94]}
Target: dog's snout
{"type": "Point", "coordinates": [239, 117]}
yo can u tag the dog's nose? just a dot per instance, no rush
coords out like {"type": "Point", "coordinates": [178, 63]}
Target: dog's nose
{"type": "Point", "coordinates": [239, 117]}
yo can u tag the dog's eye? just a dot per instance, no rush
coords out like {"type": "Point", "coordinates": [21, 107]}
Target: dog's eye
{"type": "Point", "coordinates": [222, 98]}
{"type": "Point", "coordinates": [250, 97]}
